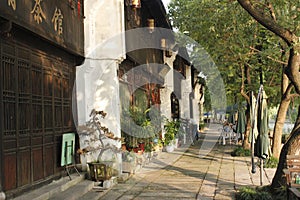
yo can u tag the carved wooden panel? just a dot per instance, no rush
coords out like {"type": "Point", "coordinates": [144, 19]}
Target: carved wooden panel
{"type": "Point", "coordinates": [10, 170]}
{"type": "Point", "coordinates": [35, 110]}
{"type": "Point", "coordinates": [24, 168]}
{"type": "Point", "coordinates": [37, 164]}
{"type": "Point", "coordinates": [49, 160]}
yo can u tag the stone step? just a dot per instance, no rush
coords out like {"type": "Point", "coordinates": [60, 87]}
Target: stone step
{"type": "Point", "coordinates": [99, 189]}
{"type": "Point", "coordinates": [74, 192]}
{"type": "Point", "coordinates": [55, 187]}
{"type": "Point", "coordinates": [94, 194]}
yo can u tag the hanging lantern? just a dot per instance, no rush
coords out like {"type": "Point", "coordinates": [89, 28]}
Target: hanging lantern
{"type": "Point", "coordinates": [135, 3]}
{"type": "Point", "coordinates": [78, 8]}
{"type": "Point", "coordinates": [151, 25]}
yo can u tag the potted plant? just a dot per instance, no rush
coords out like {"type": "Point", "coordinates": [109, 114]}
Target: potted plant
{"type": "Point", "coordinates": [97, 146]}
{"type": "Point", "coordinates": [201, 127]}
{"type": "Point", "coordinates": [171, 129]}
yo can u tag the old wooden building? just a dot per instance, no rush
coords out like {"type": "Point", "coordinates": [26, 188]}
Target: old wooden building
{"type": "Point", "coordinates": [41, 42]}
{"type": "Point", "coordinates": [140, 74]}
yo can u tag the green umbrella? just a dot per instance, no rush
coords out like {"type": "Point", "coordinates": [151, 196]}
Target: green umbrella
{"type": "Point", "coordinates": [262, 144]}
{"type": "Point", "coordinates": [253, 119]}
{"type": "Point", "coordinates": [253, 133]}
{"type": "Point", "coordinates": [241, 124]}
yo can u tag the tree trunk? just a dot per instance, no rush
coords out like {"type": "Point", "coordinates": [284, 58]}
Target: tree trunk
{"type": "Point", "coordinates": [291, 147]}
{"type": "Point", "coordinates": [280, 119]}
{"type": "Point", "coordinates": [246, 144]}
{"type": "Point", "coordinates": [246, 69]}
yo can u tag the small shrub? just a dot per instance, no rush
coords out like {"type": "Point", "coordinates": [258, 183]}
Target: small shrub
{"type": "Point", "coordinates": [201, 126]}
{"type": "Point", "coordinates": [240, 151]}
{"type": "Point", "coordinates": [279, 193]}
{"type": "Point", "coordinates": [250, 193]}
{"type": "Point", "coordinates": [246, 193]}
{"type": "Point", "coordinates": [272, 162]}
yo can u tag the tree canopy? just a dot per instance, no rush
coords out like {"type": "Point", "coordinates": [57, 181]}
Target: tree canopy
{"type": "Point", "coordinates": [242, 49]}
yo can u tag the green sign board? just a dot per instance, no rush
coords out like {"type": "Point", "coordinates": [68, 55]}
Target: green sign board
{"type": "Point", "coordinates": [67, 151]}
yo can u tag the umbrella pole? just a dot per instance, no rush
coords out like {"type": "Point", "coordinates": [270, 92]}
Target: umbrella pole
{"type": "Point", "coordinates": [261, 171]}
{"type": "Point", "coordinates": [253, 170]}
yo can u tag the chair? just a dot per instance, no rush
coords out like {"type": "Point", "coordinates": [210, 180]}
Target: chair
{"type": "Point", "coordinates": [291, 171]}
{"type": "Point", "coordinates": [226, 133]}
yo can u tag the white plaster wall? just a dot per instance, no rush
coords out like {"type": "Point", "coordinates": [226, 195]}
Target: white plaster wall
{"type": "Point", "coordinates": [165, 93]}
{"type": "Point", "coordinates": [186, 89]}
{"type": "Point", "coordinates": [196, 104]}
{"type": "Point", "coordinates": [97, 82]}
{"type": "Point", "coordinates": [104, 45]}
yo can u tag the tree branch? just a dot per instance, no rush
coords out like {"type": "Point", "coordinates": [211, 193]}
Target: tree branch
{"type": "Point", "coordinates": [274, 59]}
{"type": "Point", "coordinates": [242, 89]}
{"type": "Point", "coordinates": [294, 95]}
{"type": "Point", "coordinates": [268, 22]}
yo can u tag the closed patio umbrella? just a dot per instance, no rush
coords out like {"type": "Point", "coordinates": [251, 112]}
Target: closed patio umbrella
{"type": "Point", "coordinates": [241, 124]}
{"type": "Point", "coordinates": [253, 133]}
{"type": "Point", "coordinates": [262, 144]}
{"type": "Point", "coordinates": [253, 119]}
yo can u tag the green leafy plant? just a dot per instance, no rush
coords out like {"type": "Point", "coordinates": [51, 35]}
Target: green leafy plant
{"type": "Point", "coordinates": [160, 143]}
{"type": "Point", "coordinates": [148, 147]}
{"type": "Point", "coordinates": [250, 193]}
{"type": "Point", "coordinates": [279, 193]}
{"type": "Point", "coordinates": [272, 162]}
{"type": "Point", "coordinates": [169, 138]}
{"type": "Point", "coordinates": [201, 126]}
{"type": "Point", "coordinates": [171, 128]}
{"type": "Point", "coordinates": [240, 151]}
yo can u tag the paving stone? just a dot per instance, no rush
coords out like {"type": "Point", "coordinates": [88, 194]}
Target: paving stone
{"type": "Point", "coordinates": [127, 197]}
{"type": "Point", "coordinates": [217, 176]}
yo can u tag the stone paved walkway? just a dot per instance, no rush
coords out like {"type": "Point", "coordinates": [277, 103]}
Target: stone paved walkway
{"type": "Point", "coordinates": [197, 172]}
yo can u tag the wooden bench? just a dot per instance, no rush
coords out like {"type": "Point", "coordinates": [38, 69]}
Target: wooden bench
{"type": "Point", "coordinates": [292, 169]}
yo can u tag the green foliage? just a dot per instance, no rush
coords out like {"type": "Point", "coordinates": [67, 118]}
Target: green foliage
{"type": "Point", "coordinates": [250, 193]}
{"type": "Point", "coordinates": [160, 143]}
{"type": "Point", "coordinates": [272, 162]}
{"type": "Point", "coordinates": [240, 151]}
{"type": "Point", "coordinates": [138, 116]}
{"type": "Point", "coordinates": [148, 147]}
{"type": "Point", "coordinates": [279, 193]}
{"type": "Point", "coordinates": [227, 32]}
{"type": "Point", "coordinates": [138, 125]}
{"type": "Point", "coordinates": [207, 100]}
{"type": "Point", "coordinates": [172, 128]}
{"type": "Point", "coordinates": [201, 126]}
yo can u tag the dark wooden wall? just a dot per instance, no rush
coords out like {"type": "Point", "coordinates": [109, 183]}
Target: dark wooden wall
{"type": "Point", "coordinates": [35, 110]}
